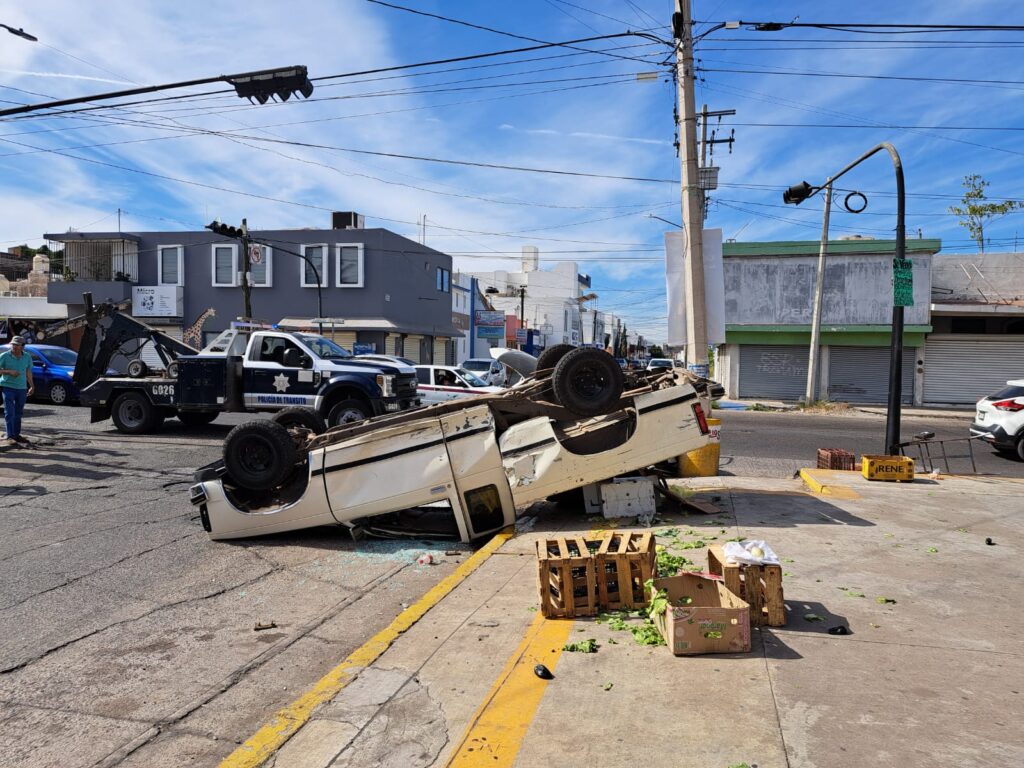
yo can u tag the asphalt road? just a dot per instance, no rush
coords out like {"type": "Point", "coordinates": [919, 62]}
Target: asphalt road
{"type": "Point", "coordinates": [127, 637]}
{"type": "Point", "coordinates": [777, 444]}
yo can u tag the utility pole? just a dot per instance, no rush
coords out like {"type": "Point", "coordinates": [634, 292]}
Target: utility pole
{"type": "Point", "coordinates": [819, 286]}
{"type": "Point", "coordinates": [709, 181]}
{"type": "Point", "coordinates": [692, 195]}
{"type": "Point", "coordinates": [246, 288]}
{"type": "Point", "coordinates": [522, 310]}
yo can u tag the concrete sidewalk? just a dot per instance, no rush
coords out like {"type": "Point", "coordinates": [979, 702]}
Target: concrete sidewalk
{"type": "Point", "coordinates": [931, 674]}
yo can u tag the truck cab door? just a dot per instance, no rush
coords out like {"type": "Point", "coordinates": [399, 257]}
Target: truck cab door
{"type": "Point", "coordinates": [482, 497]}
{"type": "Point", "coordinates": [277, 374]}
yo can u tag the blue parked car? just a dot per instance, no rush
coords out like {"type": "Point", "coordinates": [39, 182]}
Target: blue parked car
{"type": "Point", "coordinates": [52, 368]}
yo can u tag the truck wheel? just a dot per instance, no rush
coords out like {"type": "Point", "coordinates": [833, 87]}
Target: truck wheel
{"type": "Point", "coordinates": [137, 368]}
{"type": "Point", "coordinates": [172, 370]}
{"type": "Point", "coordinates": [133, 414]}
{"type": "Point", "coordinates": [587, 381]}
{"type": "Point", "coordinates": [197, 418]}
{"type": "Point", "coordinates": [348, 411]}
{"type": "Point", "coordinates": [300, 416]}
{"type": "Point", "coordinates": [549, 357]}
{"type": "Point", "coordinates": [58, 393]}
{"type": "Point", "coordinates": [259, 455]}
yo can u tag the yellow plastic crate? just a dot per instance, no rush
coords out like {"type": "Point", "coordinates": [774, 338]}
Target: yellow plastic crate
{"type": "Point", "coordinates": [887, 467]}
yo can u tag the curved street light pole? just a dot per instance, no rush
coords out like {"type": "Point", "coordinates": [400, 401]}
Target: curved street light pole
{"type": "Point", "coordinates": [800, 192]}
{"type": "Point", "coordinates": [319, 281]}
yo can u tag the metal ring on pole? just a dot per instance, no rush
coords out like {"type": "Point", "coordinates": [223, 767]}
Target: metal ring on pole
{"type": "Point", "coordinates": [855, 195]}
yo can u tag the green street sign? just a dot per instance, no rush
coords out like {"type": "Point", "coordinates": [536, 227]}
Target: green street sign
{"type": "Point", "coordinates": [902, 283]}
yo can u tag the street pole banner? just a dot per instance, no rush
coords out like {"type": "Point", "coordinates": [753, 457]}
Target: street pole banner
{"type": "Point", "coordinates": [714, 287]}
{"type": "Point", "coordinates": [902, 283]}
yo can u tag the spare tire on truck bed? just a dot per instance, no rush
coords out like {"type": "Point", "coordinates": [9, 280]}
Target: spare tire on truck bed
{"type": "Point", "coordinates": [259, 455]}
{"type": "Point", "coordinates": [587, 381]}
{"type": "Point", "coordinates": [550, 357]}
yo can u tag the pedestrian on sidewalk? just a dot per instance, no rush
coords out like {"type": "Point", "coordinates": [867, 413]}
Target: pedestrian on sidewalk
{"type": "Point", "coordinates": [16, 385]}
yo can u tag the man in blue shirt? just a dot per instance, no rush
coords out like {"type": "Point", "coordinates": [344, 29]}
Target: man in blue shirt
{"type": "Point", "coordinates": [16, 385]}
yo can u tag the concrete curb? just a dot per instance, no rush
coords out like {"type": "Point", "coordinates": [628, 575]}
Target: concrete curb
{"type": "Point", "coordinates": [826, 483]}
{"type": "Point", "coordinates": [285, 723]}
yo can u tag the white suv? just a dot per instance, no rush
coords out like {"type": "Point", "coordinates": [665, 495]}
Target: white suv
{"type": "Point", "coordinates": [1000, 419]}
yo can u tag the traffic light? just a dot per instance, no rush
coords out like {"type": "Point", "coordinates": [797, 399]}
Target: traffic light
{"type": "Point", "coordinates": [268, 83]}
{"type": "Point", "coordinates": [798, 193]}
{"type": "Point", "coordinates": [225, 230]}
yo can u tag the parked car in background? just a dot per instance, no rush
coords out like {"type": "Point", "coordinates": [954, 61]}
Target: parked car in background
{"type": "Point", "coordinates": [659, 362]}
{"type": "Point", "coordinates": [440, 383]}
{"type": "Point", "coordinates": [999, 419]}
{"type": "Point", "coordinates": [622, 363]}
{"type": "Point", "coordinates": [490, 371]}
{"type": "Point", "coordinates": [52, 368]}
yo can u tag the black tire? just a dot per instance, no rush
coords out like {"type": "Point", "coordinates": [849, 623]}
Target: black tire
{"type": "Point", "coordinates": [1020, 449]}
{"type": "Point", "coordinates": [259, 455]}
{"type": "Point", "coordinates": [550, 357]}
{"type": "Point", "coordinates": [172, 369]}
{"type": "Point", "coordinates": [137, 368]}
{"type": "Point", "coordinates": [197, 418]}
{"type": "Point", "coordinates": [588, 382]}
{"type": "Point", "coordinates": [133, 414]}
{"type": "Point", "coordinates": [59, 393]}
{"type": "Point", "coordinates": [350, 411]}
{"type": "Point", "coordinates": [300, 416]}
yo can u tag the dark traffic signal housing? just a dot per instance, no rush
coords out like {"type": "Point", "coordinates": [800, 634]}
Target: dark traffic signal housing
{"type": "Point", "coordinates": [264, 85]}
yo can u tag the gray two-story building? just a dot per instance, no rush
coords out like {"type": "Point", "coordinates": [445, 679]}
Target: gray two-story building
{"type": "Point", "coordinates": [380, 291]}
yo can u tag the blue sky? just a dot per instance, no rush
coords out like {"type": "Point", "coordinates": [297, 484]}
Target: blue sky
{"type": "Point", "coordinates": [558, 109]}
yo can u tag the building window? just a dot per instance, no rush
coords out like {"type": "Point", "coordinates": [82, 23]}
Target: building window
{"type": "Point", "coordinates": [444, 280]}
{"type": "Point", "coordinates": [224, 265]}
{"type": "Point", "coordinates": [170, 265]}
{"type": "Point", "coordinates": [318, 255]}
{"type": "Point", "coordinates": [348, 267]}
{"type": "Point", "coordinates": [262, 275]}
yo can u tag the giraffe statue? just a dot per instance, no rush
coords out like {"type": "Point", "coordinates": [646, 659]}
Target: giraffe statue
{"type": "Point", "coordinates": [193, 335]}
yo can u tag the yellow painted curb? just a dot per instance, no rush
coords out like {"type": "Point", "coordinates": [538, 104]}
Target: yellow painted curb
{"type": "Point", "coordinates": [499, 725]}
{"type": "Point", "coordinates": [822, 484]}
{"type": "Point", "coordinates": [272, 736]}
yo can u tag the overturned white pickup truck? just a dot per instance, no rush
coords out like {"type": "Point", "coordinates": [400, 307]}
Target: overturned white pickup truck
{"type": "Point", "coordinates": [561, 428]}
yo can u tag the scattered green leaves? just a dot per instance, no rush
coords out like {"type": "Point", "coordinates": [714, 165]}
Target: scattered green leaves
{"type": "Point", "coordinates": [961, 530]}
{"type": "Point", "coordinates": [659, 600]}
{"type": "Point", "coordinates": [669, 564]}
{"type": "Point", "coordinates": [932, 550]}
{"type": "Point", "coordinates": [607, 686]}
{"type": "Point", "coordinates": [713, 635]}
{"type": "Point", "coordinates": [583, 646]}
{"type": "Point", "coordinates": [787, 560]}
{"type": "Point", "coordinates": [885, 601]}
{"type": "Point", "coordinates": [531, 608]}
{"type": "Point", "coordinates": [696, 544]}
{"type": "Point", "coordinates": [646, 634]}
{"type": "Point", "coordinates": [855, 593]}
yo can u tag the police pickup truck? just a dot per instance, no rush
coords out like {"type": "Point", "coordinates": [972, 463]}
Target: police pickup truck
{"type": "Point", "coordinates": [244, 371]}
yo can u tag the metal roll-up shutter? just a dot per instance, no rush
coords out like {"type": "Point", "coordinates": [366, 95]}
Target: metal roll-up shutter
{"type": "Point", "coordinates": [440, 351]}
{"type": "Point", "coordinates": [389, 344]}
{"type": "Point", "coordinates": [346, 339]}
{"type": "Point", "coordinates": [861, 374]}
{"type": "Point", "coordinates": [774, 372]}
{"type": "Point", "coordinates": [964, 369]}
{"type": "Point", "coordinates": [412, 348]}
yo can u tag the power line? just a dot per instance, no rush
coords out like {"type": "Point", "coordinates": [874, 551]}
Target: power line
{"type": "Point", "coordinates": [883, 125]}
{"type": "Point", "coordinates": [481, 27]}
{"type": "Point", "coordinates": [574, 18]}
{"type": "Point", "coordinates": [1010, 85]}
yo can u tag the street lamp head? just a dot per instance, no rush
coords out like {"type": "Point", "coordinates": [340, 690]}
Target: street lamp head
{"type": "Point", "coordinates": [798, 193]}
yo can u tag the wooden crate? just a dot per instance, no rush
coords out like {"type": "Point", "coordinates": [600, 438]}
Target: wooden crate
{"type": "Point", "coordinates": [759, 585]}
{"type": "Point", "coordinates": [578, 575]}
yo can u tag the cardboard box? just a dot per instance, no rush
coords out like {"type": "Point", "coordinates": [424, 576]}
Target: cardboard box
{"type": "Point", "coordinates": [703, 617]}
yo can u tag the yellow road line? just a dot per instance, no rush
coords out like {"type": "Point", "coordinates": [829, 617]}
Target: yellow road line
{"type": "Point", "coordinates": [820, 481]}
{"type": "Point", "coordinates": [499, 725]}
{"type": "Point", "coordinates": [272, 736]}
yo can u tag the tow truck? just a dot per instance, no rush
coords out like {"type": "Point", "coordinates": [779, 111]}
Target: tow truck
{"type": "Point", "coordinates": [244, 369]}
{"type": "Point", "coordinates": [476, 459]}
